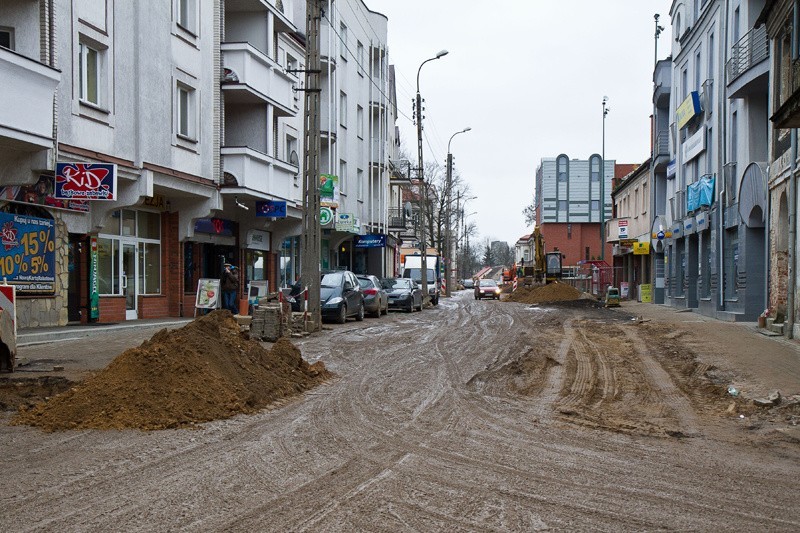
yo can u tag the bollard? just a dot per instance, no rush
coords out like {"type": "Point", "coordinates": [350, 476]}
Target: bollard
{"type": "Point", "coordinates": [244, 307]}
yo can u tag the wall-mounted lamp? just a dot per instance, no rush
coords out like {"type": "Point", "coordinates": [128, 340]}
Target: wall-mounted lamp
{"type": "Point", "coordinates": [240, 204]}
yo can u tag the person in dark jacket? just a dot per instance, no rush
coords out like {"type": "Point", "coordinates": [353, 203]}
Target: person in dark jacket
{"type": "Point", "coordinates": [230, 287]}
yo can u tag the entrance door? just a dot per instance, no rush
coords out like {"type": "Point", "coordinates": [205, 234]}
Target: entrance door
{"type": "Point", "coordinates": [129, 278]}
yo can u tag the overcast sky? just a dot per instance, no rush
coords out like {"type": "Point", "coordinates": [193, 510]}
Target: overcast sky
{"type": "Point", "coordinates": [528, 76]}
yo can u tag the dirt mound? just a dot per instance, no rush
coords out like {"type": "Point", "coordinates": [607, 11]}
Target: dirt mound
{"type": "Point", "coordinates": [552, 292]}
{"type": "Point", "coordinates": [205, 371]}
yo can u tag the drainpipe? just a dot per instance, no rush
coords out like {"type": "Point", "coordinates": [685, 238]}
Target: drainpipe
{"type": "Point", "coordinates": [723, 190]}
{"type": "Point", "coordinates": [790, 299]}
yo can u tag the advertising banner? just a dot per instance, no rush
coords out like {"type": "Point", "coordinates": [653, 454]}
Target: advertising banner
{"type": "Point", "coordinates": [214, 226]}
{"type": "Point", "coordinates": [27, 255]}
{"type": "Point", "coordinates": [208, 294]}
{"type": "Point", "coordinates": [641, 248]}
{"type": "Point", "coordinates": [41, 193]}
{"type": "Point", "coordinates": [329, 190]}
{"type": "Point", "coordinates": [86, 182]}
{"type": "Point", "coordinates": [94, 292]}
{"type": "Point", "coordinates": [623, 229]}
{"type": "Point", "coordinates": [271, 209]}
{"type": "Point", "coordinates": [646, 293]}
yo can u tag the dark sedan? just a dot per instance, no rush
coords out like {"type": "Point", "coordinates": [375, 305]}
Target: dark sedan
{"type": "Point", "coordinates": [403, 293]}
{"type": "Point", "coordinates": [376, 301]}
{"type": "Point", "coordinates": [341, 297]}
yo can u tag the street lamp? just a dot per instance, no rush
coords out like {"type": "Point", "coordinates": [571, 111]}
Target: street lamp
{"type": "Point", "coordinates": [423, 244]}
{"type": "Point", "coordinates": [602, 185]}
{"type": "Point", "coordinates": [449, 270]}
{"type": "Point", "coordinates": [466, 239]}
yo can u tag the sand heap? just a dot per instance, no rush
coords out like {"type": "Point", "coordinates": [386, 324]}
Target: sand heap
{"type": "Point", "coordinates": [552, 292]}
{"type": "Point", "coordinates": [205, 371]}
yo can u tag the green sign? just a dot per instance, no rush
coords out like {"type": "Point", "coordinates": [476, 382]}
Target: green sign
{"type": "Point", "coordinates": [325, 216]}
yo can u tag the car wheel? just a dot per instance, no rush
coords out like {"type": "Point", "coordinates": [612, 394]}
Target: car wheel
{"type": "Point", "coordinates": [410, 306]}
{"type": "Point", "coordinates": [419, 307]}
{"type": "Point", "coordinates": [360, 314]}
{"type": "Point", "coordinates": [342, 318]}
{"type": "Point", "coordinates": [386, 309]}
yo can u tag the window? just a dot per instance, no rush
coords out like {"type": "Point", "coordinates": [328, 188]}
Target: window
{"type": "Point", "coordinates": [562, 169]}
{"type": "Point", "coordinates": [186, 111]}
{"type": "Point", "coordinates": [7, 37]}
{"type": "Point", "coordinates": [709, 151]}
{"type": "Point", "coordinates": [595, 172]}
{"type": "Point", "coordinates": [343, 109]}
{"type": "Point", "coordinates": [360, 175]}
{"type": "Point", "coordinates": [736, 23]}
{"type": "Point", "coordinates": [342, 176]}
{"type": "Point", "coordinates": [697, 77]}
{"type": "Point", "coordinates": [89, 65]}
{"type": "Point", "coordinates": [685, 82]}
{"type": "Point", "coordinates": [710, 75]}
{"type": "Point", "coordinates": [360, 122]}
{"type": "Point", "coordinates": [645, 199]}
{"type": "Point", "coordinates": [144, 228]}
{"type": "Point", "coordinates": [343, 38]}
{"type": "Point", "coordinates": [187, 15]}
{"type": "Point", "coordinates": [360, 58]}
{"type": "Point", "coordinates": [595, 205]}
{"type": "Point", "coordinates": [291, 147]}
{"type": "Point", "coordinates": [562, 205]}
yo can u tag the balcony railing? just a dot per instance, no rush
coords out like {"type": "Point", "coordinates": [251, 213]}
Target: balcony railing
{"type": "Point", "coordinates": [256, 78]}
{"type": "Point", "coordinates": [397, 219]}
{"type": "Point", "coordinates": [662, 144]}
{"type": "Point", "coordinates": [748, 51]}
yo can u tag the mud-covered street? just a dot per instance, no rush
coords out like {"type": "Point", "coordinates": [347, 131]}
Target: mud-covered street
{"type": "Point", "coordinates": [476, 415]}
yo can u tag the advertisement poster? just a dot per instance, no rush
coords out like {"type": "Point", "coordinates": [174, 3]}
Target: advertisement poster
{"type": "Point", "coordinates": [208, 294]}
{"type": "Point", "coordinates": [27, 254]}
{"type": "Point", "coordinates": [41, 193]}
{"type": "Point", "coordinates": [86, 182]}
{"type": "Point", "coordinates": [271, 209]}
{"type": "Point", "coordinates": [94, 293]}
{"type": "Point", "coordinates": [329, 190]}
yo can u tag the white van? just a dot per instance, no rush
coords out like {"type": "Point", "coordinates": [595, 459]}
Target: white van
{"type": "Point", "coordinates": [412, 268]}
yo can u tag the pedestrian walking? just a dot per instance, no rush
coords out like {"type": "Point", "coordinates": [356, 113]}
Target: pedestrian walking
{"type": "Point", "coordinates": [230, 288]}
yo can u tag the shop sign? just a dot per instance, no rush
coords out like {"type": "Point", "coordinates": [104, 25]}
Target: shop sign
{"type": "Point", "coordinates": [688, 109]}
{"type": "Point", "coordinates": [325, 216]}
{"type": "Point", "coordinates": [214, 226]}
{"type": "Point", "coordinates": [646, 293]}
{"type": "Point", "coordinates": [694, 145]}
{"type": "Point", "coordinates": [94, 291]}
{"type": "Point", "coordinates": [701, 220]}
{"type": "Point", "coordinates": [86, 181]}
{"type": "Point", "coordinates": [672, 168]}
{"type": "Point", "coordinates": [623, 229]}
{"type": "Point", "coordinates": [346, 222]}
{"type": "Point", "coordinates": [271, 209]}
{"type": "Point", "coordinates": [42, 194]}
{"type": "Point", "coordinates": [156, 201]}
{"type": "Point", "coordinates": [27, 255]}
{"type": "Point", "coordinates": [677, 230]}
{"type": "Point", "coordinates": [370, 241]}
{"type": "Point", "coordinates": [329, 190]}
{"type": "Point", "coordinates": [641, 248]}
{"type": "Point", "coordinates": [689, 226]}
{"type": "Point", "coordinates": [258, 240]}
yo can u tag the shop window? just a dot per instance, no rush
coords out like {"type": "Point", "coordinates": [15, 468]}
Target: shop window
{"type": "Point", "coordinates": [107, 264]}
{"type": "Point", "coordinates": [149, 225]}
{"type": "Point", "coordinates": [150, 269]}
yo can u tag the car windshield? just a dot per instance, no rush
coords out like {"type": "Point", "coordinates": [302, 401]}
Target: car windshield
{"type": "Point", "coordinates": [394, 283]}
{"type": "Point", "coordinates": [365, 283]}
{"type": "Point", "coordinates": [488, 283]}
{"type": "Point", "coordinates": [334, 279]}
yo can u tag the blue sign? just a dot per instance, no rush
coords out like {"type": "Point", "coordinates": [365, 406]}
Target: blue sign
{"type": "Point", "coordinates": [27, 254]}
{"type": "Point", "coordinates": [671, 169]}
{"type": "Point", "coordinates": [370, 241]}
{"type": "Point", "coordinates": [214, 226]}
{"type": "Point", "coordinates": [81, 181]}
{"type": "Point", "coordinates": [271, 209]}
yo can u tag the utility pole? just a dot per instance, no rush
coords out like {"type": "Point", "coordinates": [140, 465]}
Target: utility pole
{"type": "Point", "coordinates": [424, 188]}
{"type": "Point", "coordinates": [603, 186]}
{"type": "Point", "coordinates": [448, 221]}
{"type": "Point", "coordinates": [311, 231]}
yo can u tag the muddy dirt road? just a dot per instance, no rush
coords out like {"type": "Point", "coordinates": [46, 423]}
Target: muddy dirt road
{"type": "Point", "coordinates": [476, 416]}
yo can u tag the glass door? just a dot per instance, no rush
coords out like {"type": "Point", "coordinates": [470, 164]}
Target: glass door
{"type": "Point", "coordinates": [129, 277]}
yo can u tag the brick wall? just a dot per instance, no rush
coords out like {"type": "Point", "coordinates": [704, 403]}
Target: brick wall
{"type": "Point", "coordinates": [112, 309]}
{"type": "Point", "coordinates": [573, 243]}
{"type": "Point", "coordinates": [171, 266]}
{"type": "Point", "coordinates": [154, 307]}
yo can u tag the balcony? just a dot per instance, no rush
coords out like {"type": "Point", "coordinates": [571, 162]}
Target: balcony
{"type": "Point", "coordinates": [747, 70]}
{"type": "Point", "coordinates": [377, 154]}
{"type": "Point", "coordinates": [788, 113]}
{"type": "Point", "coordinates": [661, 150]}
{"type": "Point", "coordinates": [26, 118]}
{"type": "Point", "coordinates": [397, 219]}
{"type": "Point", "coordinates": [252, 77]}
{"type": "Point", "coordinates": [260, 173]}
{"type": "Point", "coordinates": [662, 81]}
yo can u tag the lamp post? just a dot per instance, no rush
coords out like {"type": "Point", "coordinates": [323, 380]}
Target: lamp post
{"type": "Point", "coordinates": [449, 270]}
{"type": "Point", "coordinates": [602, 185]}
{"type": "Point", "coordinates": [421, 170]}
{"type": "Point", "coordinates": [466, 239]}
{"type": "Point", "coordinates": [659, 29]}
{"type": "Point", "coordinates": [459, 234]}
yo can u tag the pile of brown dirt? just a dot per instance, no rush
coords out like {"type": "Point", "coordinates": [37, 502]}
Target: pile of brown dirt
{"type": "Point", "coordinates": [552, 292]}
{"type": "Point", "coordinates": [205, 371]}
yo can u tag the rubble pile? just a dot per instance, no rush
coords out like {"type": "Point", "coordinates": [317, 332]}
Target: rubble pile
{"type": "Point", "coordinates": [205, 371]}
{"type": "Point", "coordinates": [552, 292]}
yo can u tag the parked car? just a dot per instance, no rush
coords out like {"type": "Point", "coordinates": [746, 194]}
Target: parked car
{"type": "Point", "coordinates": [468, 283]}
{"type": "Point", "coordinates": [487, 288]}
{"type": "Point", "coordinates": [341, 296]}
{"type": "Point", "coordinates": [404, 293]}
{"type": "Point", "coordinates": [376, 300]}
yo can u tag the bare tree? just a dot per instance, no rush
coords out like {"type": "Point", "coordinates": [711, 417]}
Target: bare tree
{"type": "Point", "coordinates": [530, 213]}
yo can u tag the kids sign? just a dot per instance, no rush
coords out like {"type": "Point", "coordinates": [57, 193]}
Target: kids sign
{"type": "Point", "coordinates": [27, 253]}
{"type": "Point", "coordinates": [86, 182]}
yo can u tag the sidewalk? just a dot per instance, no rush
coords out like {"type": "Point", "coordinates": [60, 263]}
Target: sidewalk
{"type": "Point", "coordinates": [758, 364]}
{"type": "Point", "coordinates": [32, 336]}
